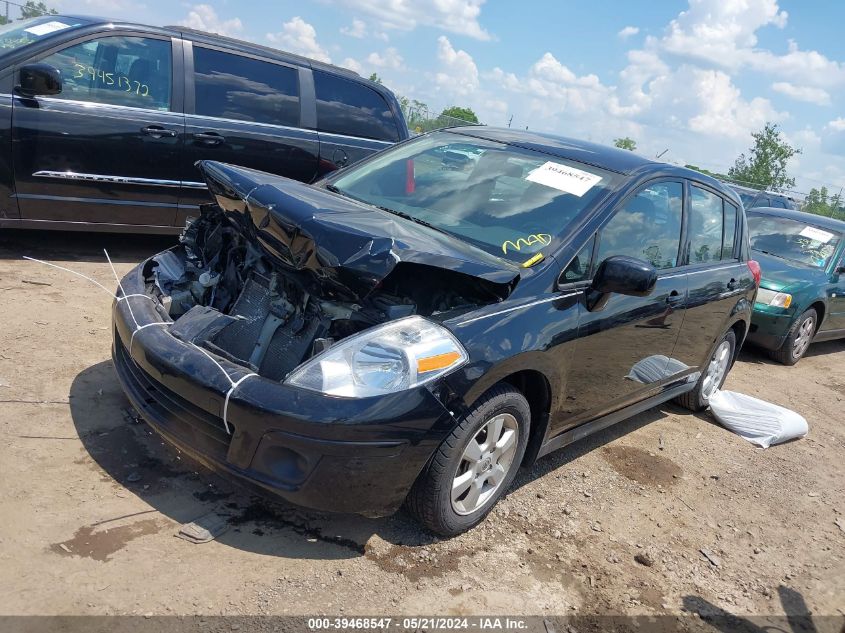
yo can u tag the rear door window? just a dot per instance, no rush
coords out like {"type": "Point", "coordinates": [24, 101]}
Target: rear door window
{"type": "Point", "coordinates": [231, 86]}
{"type": "Point", "coordinates": [705, 226]}
{"type": "Point", "coordinates": [352, 109]}
{"type": "Point", "coordinates": [647, 227]}
{"type": "Point", "coordinates": [117, 70]}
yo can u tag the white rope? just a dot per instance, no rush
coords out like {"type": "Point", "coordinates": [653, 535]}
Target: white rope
{"type": "Point", "coordinates": [72, 272]}
{"type": "Point", "coordinates": [229, 395]}
{"type": "Point", "coordinates": [138, 329]}
{"type": "Point", "coordinates": [123, 292]}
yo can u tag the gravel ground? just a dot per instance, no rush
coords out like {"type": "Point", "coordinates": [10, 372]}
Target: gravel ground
{"type": "Point", "coordinates": [664, 513]}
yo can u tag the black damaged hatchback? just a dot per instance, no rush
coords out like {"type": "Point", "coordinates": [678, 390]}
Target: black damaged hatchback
{"type": "Point", "coordinates": [416, 327]}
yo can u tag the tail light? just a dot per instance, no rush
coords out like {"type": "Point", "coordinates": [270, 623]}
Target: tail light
{"type": "Point", "coordinates": [756, 271]}
{"type": "Point", "coordinates": [410, 183]}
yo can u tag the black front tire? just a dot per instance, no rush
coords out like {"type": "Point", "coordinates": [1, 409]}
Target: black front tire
{"type": "Point", "coordinates": [696, 400]}
{"type": "Point", "coordinates": [430, 498]}
{"type": "Point", "coordinates": [788, 354]}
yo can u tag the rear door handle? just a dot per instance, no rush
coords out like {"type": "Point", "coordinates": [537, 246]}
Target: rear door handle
{"type": "Point", "coordinates": [675, 298]}
{"type": "Point", "coordinates": [156, 131]}
{"type": "Point", "coordinates": [209, 138]}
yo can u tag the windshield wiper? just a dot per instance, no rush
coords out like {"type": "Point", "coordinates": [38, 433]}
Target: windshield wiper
{"type": "Point", "coordinates": [334, 189]}
{"type": "Point", "coordinates": [408, 216]}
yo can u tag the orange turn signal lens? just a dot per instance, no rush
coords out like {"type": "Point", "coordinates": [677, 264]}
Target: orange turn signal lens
{"type": "Point", "coordinates": [440, 361]}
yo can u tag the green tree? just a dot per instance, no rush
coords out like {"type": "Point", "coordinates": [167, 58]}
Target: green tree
{"type": "Point", "coordinates": [464, 114]}
{"type": "Point", "coordinates": [374, 77]}
{"type": "Point", "coordinates": [765, 164]}
{"type": "Point", "coordinates": [819, 201]}
{"type": "Point", "coordinates": [34, 9]}
{"type": "Point", "coordinates": [625, 143]}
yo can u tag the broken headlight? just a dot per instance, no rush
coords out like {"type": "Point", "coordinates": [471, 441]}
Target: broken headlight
{"type": "Point", "coordinates": [385, 359]}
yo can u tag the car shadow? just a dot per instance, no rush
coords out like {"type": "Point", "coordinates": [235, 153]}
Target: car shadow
{"type": "Point", "coordinates": [797, 617]}
{"type": "Point", "coordinates": [81, 246]}
{"type": "Point", "coordinates": [758, 356]}
{"type": "Point", "coordinates": [124, 451]}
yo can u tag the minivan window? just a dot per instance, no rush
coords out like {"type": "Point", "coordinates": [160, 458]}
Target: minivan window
{"type": "Point", "coordinates": [648, 227]}
{"type": "Point", "coordinates": [116, 70]}
{"type": "Point", "coordinates": [230, 86]}
{"type": "Point", "coordinates": [18, 34]}
{"type": "Point", "coordinates": [350, 108]}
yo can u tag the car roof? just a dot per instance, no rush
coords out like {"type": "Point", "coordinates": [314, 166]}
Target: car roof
{"type": "Point", "coordinates": [752, 190]}
{"type": "Point", "coordinates": [801, 216]}
{"type": "Point", "coordinates": [213, 38]}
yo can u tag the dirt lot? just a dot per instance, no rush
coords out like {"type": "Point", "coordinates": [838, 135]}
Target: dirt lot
{"type": "Point", "coordinates": [90, 500]}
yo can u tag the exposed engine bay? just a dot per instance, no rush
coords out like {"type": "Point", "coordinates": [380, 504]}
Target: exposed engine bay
{"type": "Point", "coordinates": [224, 290]}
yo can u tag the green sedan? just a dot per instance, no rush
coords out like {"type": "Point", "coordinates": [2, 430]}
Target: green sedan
{"type": "Point", "coordinates": [802, 294]}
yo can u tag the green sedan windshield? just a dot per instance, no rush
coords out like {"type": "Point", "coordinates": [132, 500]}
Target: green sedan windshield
{"type": "Point", "coordinates": [509, 201]}
{"type": "Point", "coordinates": [792, 240]}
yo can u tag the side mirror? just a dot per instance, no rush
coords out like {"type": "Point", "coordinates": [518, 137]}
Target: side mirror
{"type": "Point", "coordinates": [39, 79]}
{"type": "Point", "coordinates": [625, 276]}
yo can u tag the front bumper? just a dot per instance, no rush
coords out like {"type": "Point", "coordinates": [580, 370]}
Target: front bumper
{"type": "Point", "coordinates": [317, 451]}
{"type": "Point", "coordinates": [769, 326]}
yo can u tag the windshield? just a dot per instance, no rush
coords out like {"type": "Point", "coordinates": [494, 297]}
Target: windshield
{"type": "Point", "coordinates": [17, 34]}
{"type": "Point", "coordinates": [792, 240]}
{"type": "Point", "coordinates": [511, 202]}
{"type": "Point", "coordinates": [748, 199]}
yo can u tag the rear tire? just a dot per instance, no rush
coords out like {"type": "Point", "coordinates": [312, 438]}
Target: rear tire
{"type": "Point", "coordinates": [713, 375]}
{"type": "Point", "coordinates": [474, 466]}
{"type": "Point", "coordinates": [798, 340]}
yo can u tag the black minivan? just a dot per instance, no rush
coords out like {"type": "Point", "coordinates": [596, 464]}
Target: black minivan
{"type": "Point", "coordinates": [101, 122]}
{"type": "Point", "coordinates": [416, 326]}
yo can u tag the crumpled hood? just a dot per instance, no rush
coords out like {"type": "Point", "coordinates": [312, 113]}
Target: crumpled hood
{"type": "Point", "coordinates": [345, 243]}
{"type": "Point", "coordinates": [782, 275]}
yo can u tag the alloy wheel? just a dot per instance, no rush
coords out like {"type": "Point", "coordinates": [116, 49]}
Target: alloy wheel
{"type": "Point", "coordinates": [804, 337]}
{"type": "Point", "coordinates": [485, 463]}
{"type": "Point", "coordinates": [716, 370]}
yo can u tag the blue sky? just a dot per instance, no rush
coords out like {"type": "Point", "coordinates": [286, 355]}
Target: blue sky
{"type": "Point", "coordinates": [694, 77]}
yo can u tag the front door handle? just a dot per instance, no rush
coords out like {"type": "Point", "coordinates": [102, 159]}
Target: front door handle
{"type": "Point", "coordinates": [675, 298]}
{"type": "Point", "coordinates": [156, 131]}
{"type": "Point", "coordinates": [209, 138]}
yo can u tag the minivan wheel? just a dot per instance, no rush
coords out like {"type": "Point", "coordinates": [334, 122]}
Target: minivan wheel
{"type": "Point", "coordinates": [474, 466]}
{"type": "Point", "coordinates": [798, 340]}
{"type": "Point", "coordinates": [712, 376]}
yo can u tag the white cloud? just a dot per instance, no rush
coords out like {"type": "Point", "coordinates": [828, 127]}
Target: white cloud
{"type": "Point", "coordinates": [358, 29]}
{"type": "Point", "coordinates": [459, 74]}
{"type": "Point", "coordinates": [837, 125]}
{"type": "Point", "coordinates": [352, 64]}
{"type": "Point", "coordinates": [628, 31]}
{"type": "Point", "coordinates": [204, 18]}
{"type": "Point", "coordinates": [455, 16]}
{"type": "Point", "coordinates": [389, 59]}
{"type": "Point", "coordinates": [298, 36]}
{"type": "Point", "coordinates": [723, 111]}
{"type": "Point", "coordinates": [819, 96]}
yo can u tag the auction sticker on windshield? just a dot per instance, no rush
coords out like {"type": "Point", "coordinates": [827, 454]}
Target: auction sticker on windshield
{"type": "Point", "coordinates": [564, 178]}
{"type": "Point", "coordinates": [47, 27]}
{"type": "Point", "coordinates": [816, 234]}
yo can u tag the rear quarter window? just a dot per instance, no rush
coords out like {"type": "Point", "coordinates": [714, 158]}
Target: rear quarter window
{"type": "Point", "coordinates": [352, 109]}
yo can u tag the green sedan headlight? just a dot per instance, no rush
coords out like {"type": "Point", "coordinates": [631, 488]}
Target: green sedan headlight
{"type": "Point", "coordinates": [772, 298]}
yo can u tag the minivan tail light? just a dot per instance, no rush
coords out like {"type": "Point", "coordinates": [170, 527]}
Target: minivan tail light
{"type": "Point", "coordinates": [756, 272]}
